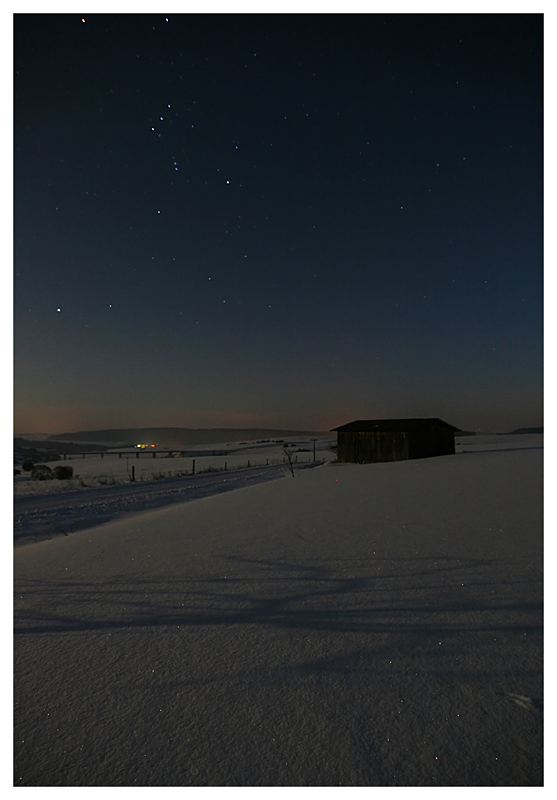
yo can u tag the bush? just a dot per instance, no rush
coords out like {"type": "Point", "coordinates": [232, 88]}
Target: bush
{"type": "Point", "coordinates": [27, 466]}
{"type": "Point", "coordinates": [63, 473]}
{"type": "Point", "coordinates": [41, 473]}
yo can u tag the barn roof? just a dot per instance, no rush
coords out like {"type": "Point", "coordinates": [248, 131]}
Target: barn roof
{"type": "Point", "coordinates": [391, 425]}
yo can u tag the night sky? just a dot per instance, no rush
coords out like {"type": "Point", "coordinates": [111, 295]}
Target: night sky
{"type": "Point", "coordinates": [287, 221]}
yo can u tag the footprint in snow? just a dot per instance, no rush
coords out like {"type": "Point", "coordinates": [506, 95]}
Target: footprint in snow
{"type": "Point", "coordinates": [529, 703]}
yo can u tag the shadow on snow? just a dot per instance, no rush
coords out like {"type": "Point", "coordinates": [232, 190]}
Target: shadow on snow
{"type": "Point", "coordinates": [434, 596]}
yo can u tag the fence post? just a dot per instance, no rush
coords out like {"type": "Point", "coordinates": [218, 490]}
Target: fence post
{"type": "Point", "coordinates": [193, 467]}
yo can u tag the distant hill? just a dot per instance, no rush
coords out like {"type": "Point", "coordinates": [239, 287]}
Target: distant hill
{"type": "Point", "coordinates": [34, 449]}
{"type": "Point", "coordinates": [173, 437]}
{"type": "Point", "coordinates": [528, 430]}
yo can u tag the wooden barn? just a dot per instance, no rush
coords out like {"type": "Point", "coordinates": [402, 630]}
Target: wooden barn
{"type": "Point", "coordinates": [371, 440]}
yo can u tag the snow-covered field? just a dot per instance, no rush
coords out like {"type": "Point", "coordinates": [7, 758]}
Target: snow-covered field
{"type": "Point", "coordinates": [375, 625]}
{"type": "Point", "coordinates": [111, 469]}
{"type": "Point", "coordinates": [101, 489]}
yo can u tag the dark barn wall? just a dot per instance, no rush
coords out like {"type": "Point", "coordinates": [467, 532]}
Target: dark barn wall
{"type": "Point", "coordinates": [368, 447]}
{"type": "Point", "coordinates": [431, 440]}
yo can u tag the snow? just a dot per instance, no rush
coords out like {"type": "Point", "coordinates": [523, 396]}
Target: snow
{"type": "Point", "coordinates": [61, 513]}
{"type": "Point", "coordinates": [375, 625]}
{"type": "Point", "coordinates": [101, 489]}
{"type": "Point", "coordinates": [111, 469]}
